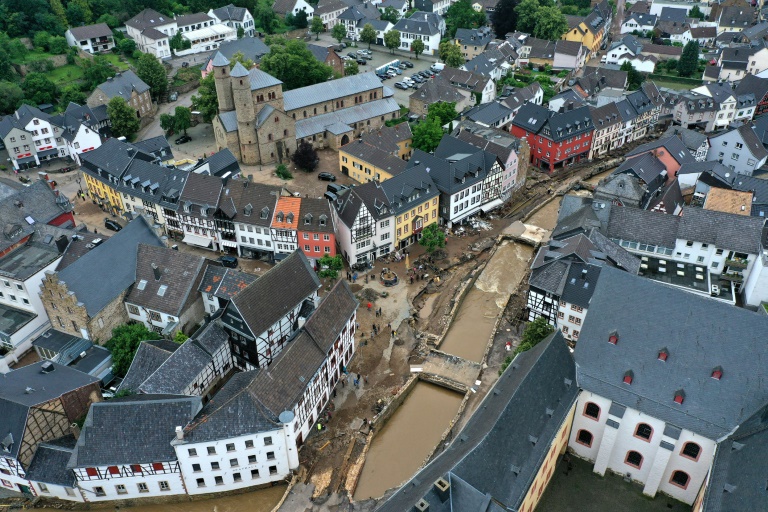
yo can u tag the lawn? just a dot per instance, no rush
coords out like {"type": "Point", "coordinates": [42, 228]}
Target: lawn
{"type": "Point", "coordinates": [674, 85]}
{"type": "Point", "coordinates": [65, 74]}
{"type": "Point", "coordinates": [114, 59]}
{"type": "Point", "coordinates": [33, 56]}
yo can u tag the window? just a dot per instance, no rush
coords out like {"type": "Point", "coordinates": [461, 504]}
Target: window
{"type": "Point", "coordinates": [584, 437]}
{"type": "Point", "coordinates": [272, 470]}
{"type": "Point", "coordinates": [691, 451]}
{"type": "Point", "coordinates": [254, 473]}
{"type": "Point", "coordinates": [99, 491]}
{"type": "Point", "coordinates": [201, 482]}
{"type": "Point", "coordinates": [233, 463]}
{"type": "Point", "coordinates": [43, 488]}
{"type": "Point", "coordinates": [251, 459]}
{"type": "Point", "coordinates": [680, 479]}
{"type": "Point", "coordinates": [219, 480]}
{"type": "Point", "coordinates": [270, 455]}
{"type": "Point", "coordinates": [120, 488]}
{"type": "Point", "coordinates": [211, 450]}
{"type": "Point", "coordinates": [214, 465]}
{"type": "Point", "coordinates": [192, 452]}
{"type": "Point", "coordinates": [592, 410]}
{"type": "Point", "coordinates": [644, 431]}
{"type": "Point", "coordinates": [634, 459]}
{"type": "Point", "coordinates": [230, 447]}
{"type": "Point", "coordinates": [267, 441]}
{"type": "Point", "coordinates": [164, 486]}
{"type": "Point", "coordinates": [236, 477]}
{"type": "Point", "coordinates": [142, 487]}
{"type": "Point", "coordinates": [196, 468]}
{"type": "Point", "coordinates": [249, 443]}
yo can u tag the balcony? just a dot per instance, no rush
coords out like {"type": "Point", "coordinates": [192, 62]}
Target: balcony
{"type": "Point", "coordinates": [733, 277]}
{"type": "Point", "coordinates": [736, 263]}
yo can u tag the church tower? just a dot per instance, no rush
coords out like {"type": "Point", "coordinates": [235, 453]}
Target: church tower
{"type": "Point", "coordinates": [246, 114]}
{"type": "Point", "coordinates": [223, 86]}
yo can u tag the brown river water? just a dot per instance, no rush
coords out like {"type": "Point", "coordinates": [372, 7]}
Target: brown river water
{"type": "Point", "coordinates": [263, 500]}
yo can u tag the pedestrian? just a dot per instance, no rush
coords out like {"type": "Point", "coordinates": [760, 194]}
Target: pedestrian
{"type": "Point", "coordinates": [389, 326]}
{"type": "Point", "coordinates": [358, 377]}
{"type": "Point", "coordinates": [319, 427]}
{"type": "Point", "coordinates": [379, 311]}
{"type": "Point", "coordinates": [357, 383]}
{"type": "Point", "coordinates": [411, 279]}
{"type": "Point", "coordinates": [369, 306]}
{"type": "Point", "coordinates": [394, 334]}
{"type": "Point", "coordinates": [365, 379]}
{"type": "Point", "coordinates": [334, 392]}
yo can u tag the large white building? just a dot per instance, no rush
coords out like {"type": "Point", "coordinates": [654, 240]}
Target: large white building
{"type": "Point", "coordinates": [235, 17]}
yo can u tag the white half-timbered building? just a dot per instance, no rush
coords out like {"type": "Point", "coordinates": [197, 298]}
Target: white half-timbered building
{"type": "Point", "coordinates": [220, 284]}
{"type": "Point", "coordinates": [284, 227]}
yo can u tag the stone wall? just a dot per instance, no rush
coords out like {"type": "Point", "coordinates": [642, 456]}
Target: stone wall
{"type": "Point", "coordinates": [57, 60]}
{"type": "Point", "coordinates": [317, 109]}
{"type": "Point", "coordinates": [112, 316]}
{"type": "Point", "coordinates": [61, 306]}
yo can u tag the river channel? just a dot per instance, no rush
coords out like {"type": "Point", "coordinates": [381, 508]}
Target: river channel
{"type": "Point", "coordinates": [407, 438]}
{"type": "Point", "coordinates": [263, 500]}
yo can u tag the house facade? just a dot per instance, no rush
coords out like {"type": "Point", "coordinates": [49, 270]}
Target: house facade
{"type": "Point", "coordinates": [740, 150]}
{"type": "Point", "coordinates": [91, 38]}
{"type": "Point", "coordinates": [128, 86]}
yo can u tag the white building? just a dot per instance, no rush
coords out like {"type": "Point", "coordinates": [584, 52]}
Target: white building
{"type": "Point", "coordinates": [152, 32]}
{"type": "Point", "coordinates": [207, 39]}
{"type": "Point", "coordinates": [365, 225]}
{"type": "Point", "coordinates": [235, 17]}
{"type": "Point", "coordinates": [91, 38]}
{"type": "Point", "coordinates": [639, 22]}
{"type": "Point", "coordinates": [419, 26]}
{"type": "Point", "coordinates": [739, 149]}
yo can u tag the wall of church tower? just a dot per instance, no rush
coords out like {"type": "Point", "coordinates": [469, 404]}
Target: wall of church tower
{"type": "Point", "coordinates": [268, 96]}
{"type": "Point", "coordinates": [246, 118]}
{"type": "Point", "coordinates": [223, 88]}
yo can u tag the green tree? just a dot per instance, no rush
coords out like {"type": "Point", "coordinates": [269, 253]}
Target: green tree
{"type": "Point", "coordinates": [301, 20]}
{"type": "Point", "coordinates": [149, 69]}
{"type": "Point", "coordinates": [450, 53]}
{"type": "Point", "coordinates": [71, 94]}
{"type": "Point", "coordinates": [41, 40]}
{"type": "Point", "coordinates": [330, 266]}
{"type": "Point", "coordinates": [504, 17]}
{"type": "Point", "coordinates": [427, 135]}
{"type": "Point", "coordinates": [368, 35]}
{"type": "Point", "coordinates": [550, 23]}
{"type": "Point", "coordinates": [266, 19]}
{"type": "Point", "coordinates": [695, 12]}
{"type": "Point", "coordinates": [461, 15]}
{"type": "Point", "coordinates": [206, 101]}
{"type": "Point", "coordinates": [443, 111]}
{"type": "Point", "coordinates": [351, 68]}
{"type": "Point", "coordinates": [178, 42]}
{"type": "Point", "coordinates": [242, 59]}
{"type": "Point", "coordinates": [11, 96]}
{"type": "Point", "coordinates": [84, 7]}
{"type": "Point", "coordinates": [166, 123]}
{"type": "Point", "coordinates": [317, 27]}
{"type": "Point", "coordinates": [58, 45]}
{"type": "Point", "coordinates": [305, 157]}
{"type": "Point", "coordinates": [58, 10]}
{"type": "Point", "coordinates": [634, 77]}
{"type": "Point", "coordinates": [417, 47]}
{"type": "Point", "coordinates": [240, 32]}
{"type": "Point", "coordinates": [392, 40]}
{"type": "Point", "coordinates": [125, 342]}
{"type": "Point", "coordinates": [339, 32]}
{"type": "Point", "coordinates": [38, 89]}
{"type": "Point", "coordinates": [432, 237]}
{"type": "Point", "coordinates": [180, 337]}
{"type": "Point", "coordinates": [283, 173]}
{"type": "Point", "coordinates": [689, 60]}
{"type": "Point", "coordinates": [527, 11]}
{"type": "Point", "coordinates": [390, 14]}
{"type": "Point", "coordinates": [96, 71]}
{"type": "Point", "coordinates": [534, 333]}
{"type": "Point", "coordinates": [123, 118]}
{"type": "Point", "coordinates": [111, 21]}
{"type": "Point", "coordinates": [127, 46]}
{"type": "Point", "coordinates": [182, 119]}
{"type": "Point", "coordinates": [75, 15]}
{"type": "Point", "coordinates": [292, 63]}
{"type": "Point", "coordinates": [7, 71]}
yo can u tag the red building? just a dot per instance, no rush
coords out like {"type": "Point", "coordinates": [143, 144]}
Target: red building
{"type": "Point", "coordinates": [556, 139]}
{"type": "Point", "coordinates": [315, 229]}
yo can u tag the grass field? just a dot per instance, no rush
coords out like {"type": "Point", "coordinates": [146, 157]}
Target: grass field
{"type": "Point", "coordinates": [674, 85]}
{"type": "Point", "coordinates": [114, 59]}
{"type": "Point", "coordinates": [65, 75]}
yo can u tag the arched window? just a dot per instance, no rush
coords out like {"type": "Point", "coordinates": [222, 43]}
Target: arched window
{"type": "Point", "coordinates": [691, 450]}
{"type": "Point", "coordinates": [644, 431]}
{"type": "Point", "coordinates": [592, 410]}
{"type": "Point", "coordinates": [634, 459]}
{"type": "Point", "coordinates": [584, 437]}
{"type": "Point", "coordinates": [680, 479]}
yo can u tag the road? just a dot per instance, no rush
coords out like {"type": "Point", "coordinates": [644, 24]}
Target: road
{"type": "Point", "coordinates": [618, 19]}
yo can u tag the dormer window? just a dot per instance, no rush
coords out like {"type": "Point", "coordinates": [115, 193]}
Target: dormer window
{"type": "Point", "coordinates": [280, 217]}
{"type": "Point", "coordinates": [613, 338]}
{"type": "Point", "coordinates": [308, 219]}
{"type": "Point", "coordinates": [679, 396]}
{"type": "Point", "coordinates": [289, 218]}
{"type": "Point", "coordinates": [663, 354]}
{"type": "Point", "coordinates": [717, 372]}
{"type": "Point", "coordinates": [628, 376]}
{"type": "Point", "coordinates": [323, 219]}
{"type": "Point", "coordinates": [264, 213]}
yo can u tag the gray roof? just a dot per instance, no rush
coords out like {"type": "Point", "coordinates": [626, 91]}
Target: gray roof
{"type": "Point", "coordinates": [642, 18]}
{"type": "Point", "coordinates": [158, 147]}
{"type": "Point", "coordinates": [415, 26]}
{"type": "Point", "coordinates": [728, 231]}
{"type": "Point", "coordinates": [691, 139]}
{"type": "Point", "coordinates": [91, 31]}
{"type": "Point", "coordinates": [148, 358]}
{"type": "Point", "coordinates": [375, 156]}
{"type": "Point", "coordinates": [219, 59]}
{"type": "Point", "coordinates": [340, 121]}
{"type": "Point", "coordinates": [625, 189]}
{"type": "Point", "coordinates": [580, 284]}
{"type": "Point", "coordinates": [123, 84]}
{"type": "Point", "coordinates": [49, 465]}
{"type": "Point", "coordinates": [149, 18]}
{"type": "Point", "coordinates": [435, 90]}
{"type": "Point", "coordinates": [280, 388]}
{"type": "Point", "coordinates": [580, 214]}
{"type": "Point", "coordinates": [370, 194]}
{"type": "Point", "coordinates": [132, 430]}
{"type": "Point", "coordinates": [550, 277]}
{"type": "Point", "coordinates": [223, 282]}
{"type": "Point", "coordinates": [15, 399]}
{"type": "Point", "coordinates": [331, 90]}
{"type": "Point", "coordinates": [409, 189]}
{"type": "Point", "coordinates": [170, 279]}
{"type": "Point", "coordinates": [646, 167]}
{"type": "Point", "coordinates": [27, 260]}
{"type": "Point", "coordinates": [700, 335]}
{"type": "Point", "coordinates": [672, 14]}
{"type": "Point", "coordinates": [736, 16]}
{"type": "Point", "coordinates": [489, 113]}
{"type": "Point", "coordinates": [474, 36]}
{"type": "Point", "coordinates": [673, 144]}
{"type": "Point", "coordinates": [184, 366]}
{"type": "Point", "coordinates": [112, 265]}
{"type": "Point", "coordinates": [229, 120]}
{"type": "Point", "coordinates": [238, 71]}
{"type": "Point", "coordinates": [265, 301]}
{"type": "Point", "coordinates": [182, 20]}
{"type": "Point", "coordinates": [230, 12]}
{"type": "Point", "coordinates": [494, 454]}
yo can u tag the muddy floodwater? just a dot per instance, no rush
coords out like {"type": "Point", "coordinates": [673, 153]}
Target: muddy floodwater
{"type": "Point", "coordinates": [546, 217]}
{"type": "Point", "coordinates": [406, 439]}
{"type": "Point", "coordinates": [475, 319]}
{"type": "Point", "coordinates": [263, 500]}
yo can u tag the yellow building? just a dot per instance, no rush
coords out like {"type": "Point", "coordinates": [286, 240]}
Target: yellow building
{"type": "Point", "coordinates": [413, 200]}
{"type": "Point", "coordinates": [590, 30]}
{"type": "Point", "coordinates": [364, 162]}
{"type": "Point", "coordinates": [103, 194]}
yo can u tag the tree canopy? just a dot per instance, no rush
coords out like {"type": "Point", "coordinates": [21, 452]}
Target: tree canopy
{"type": "Point", "coordinates": [149, 69]}
{"type": "Point", "coordinates": [443, 111]}
{"type": "Point", "coordinates": [368, 34]}
{"type": "Point", "coordinates": [205, 101]}
{"type": "Point", "coordinates": [550, 23]}
{"type": "Point", "coordinates": [11, 96]}
{"type": "Point", "coordinates": [316, 27]}
{"type": "Point", "coordinates": [293, 64]}
{"type": "Point", "coordinates": [450, 53]}
{"type": "Point", "coordinates": [96, 71]}
{"type": "Point", "coordinates": [351, 68]}
{"type": "Point", "coordinates": [634, 77]}
{"type": "Point", "coordinates": [417, 47]}
{"type": "Point", "coordinates": [432, 238]}
{"type": "Point", "coordinates": [38, 89]}
{"type": "Point", "coordinates": [123, 118]}
{"type": "Point", "coordinates": [125, 342]}
{"type": "Point", "coordinates": [305, 157]}
{"type": "Point", "coordinates": [392, 40]}
{"type": "Point", "coordinates": [390, 14]}
{"type": "Point", "coordinates": [461, 15]}
{"type": "Point", "coordinates": [689, 60]}
{"type": "Point", "coordinates": [427, 135]}
{"type": "Point", "coordinates": [504, 18]}
{"type": "Point", "coordinates": [534, 333]}
{"type": "Point", "coordinates": [339, 32]}
{"type": "Point", "coordinates": [330, 266]}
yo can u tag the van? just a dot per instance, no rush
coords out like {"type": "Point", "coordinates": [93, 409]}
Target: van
{"type": "Point", "coordinates": [437, 67]}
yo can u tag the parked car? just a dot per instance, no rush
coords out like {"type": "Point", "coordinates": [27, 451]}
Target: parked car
{"type": "Point", "coordinates": [112, 225]}
{"type": "Point", "coordinates": [335, 189]}
{"type": "Point", "coordinates": [391, 73]}
{"type": "Point", "coordinates": [326, 176]}
{"type": "Point", "coordinates": [183, 139]}
{"type": "Point", "coordinates": [408, 63]}
{"type": "Point", "coordinates": [401, 85]}
{"type": "Point", "coordinates": [364, 51]}
{"type": "Point", "coordinates": [402, 66]}
{"type": "Point", "coordinates": [228, 261]}
{"type": "Point", "coordinates": [361, 61]}
{"type": "Point", "coordinates": [417, 78]}
{"type": "Point", "coordinates": [437, 67]}
{"type": "Point", "coordinates": [413, 117]}
{"type": "Point", "coordinates": [352, 55]}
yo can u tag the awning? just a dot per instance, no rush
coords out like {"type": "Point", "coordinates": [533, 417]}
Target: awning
{"type": "Point", "coordinates": [202, 241]}
{"type": "Point", "coordinates": [25, 160]}
{"type": "Point", "coordinates": [229, 243]}
{"type": "Point", "coordinates": [491, 205]}
{"type": "Point", "coordinates": [48, 152]}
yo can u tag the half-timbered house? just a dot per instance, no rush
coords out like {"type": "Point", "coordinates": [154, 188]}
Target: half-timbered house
{"type": "Point", "coordinates": [199, 204]}
{"type": "Point", "coordinates": [220, 284]}
{"type": "Point", "coordinates": [284, 226]}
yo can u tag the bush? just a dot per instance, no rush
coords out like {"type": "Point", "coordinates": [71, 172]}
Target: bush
{"type": "Point", "coordinates": [283, 173]}
{"type": "Point", "coordinates": [136, 54]}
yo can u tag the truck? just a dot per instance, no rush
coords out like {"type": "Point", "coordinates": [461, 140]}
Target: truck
{"type": "Point", "coordinates": [437, 67]}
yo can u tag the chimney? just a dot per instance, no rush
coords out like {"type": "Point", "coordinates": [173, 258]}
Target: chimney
{"type": "Point", "coordinates": [130, 150]}
{"type": "Point", "coordinates": [47, 367]}
{"type": "Point", "coordinates": [443, 489]}
{"type": "Point", "coordinates": [62, 243]}
{"type": "Point", "coordinates": [179, 433]}
{"type": "Point", "coordinates": [156, 271]}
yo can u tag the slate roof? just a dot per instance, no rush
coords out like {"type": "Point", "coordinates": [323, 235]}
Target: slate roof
{"type": "Point", "coordinates": [49, 465]}
{"type": "Point", "coordinates": [691, 139]}
{"type": "Point", "coordinates": [736, 16]}
{"type": "Point", "coordinates": [452, 169]}
{"type": "Point", "coordinates": [646, 167]}
{"type": "Point", "coordinates": [561, 125]}
{"type": "Point", "coordinates": [474, 37]}
{"type": "Point", "coordinates": [327, 7]}
{"type": "Point", "coordinates": [502, 152]}
{"type": "Point", "coordinates": [37, 202]}
{"type": "Point", "coordinates": [202, 189]}
{"type": "Point", "coordinates": [245, 201]}
{"type": "Point", "coordinates": [159, 147]}
{"type": "Point", "coordinates": [752, 142]}
{"type": "Point", "coordinates": [493, 455]}
{"type": "Point", "coordinates": [230, 12]}
{"type": "Point", "coordinates": [15, 401]}
{"type": "Point", "coordinates": [605, 116]}
{"type": "Point", "coordinates": [643, 19]}
{"type": "Point", "coordinates": [132, 430]}
{"type": "Point", "coordinates": [402, 190]}
{"type": "Point", "coordinates": [170, 278]}
{"type": "Point", "coordinates": [519, 96]}
{"type": "Point", "coordinates": [252, 47]}
{"type": "Point", "coordinates": [340, 121]}
{"type": "Point", "coordinates": [371, 154]}
{"type": "Point", "coordinates": [700, 335]}
{"type": "Point", "coordinates": [580, 284]}
{"type": "Point", "coordinates": [703, 32]}
{"type": "Point", "coordinates": [223, 282]}
{"type": "Point", "coordinates": [370, 194]}
{"type": "Point", "coordinates": [465, 79]}
{"type": "Point", "coordinates": [91, 31]}
{"type": "Point", "coordinates": [265, 301]}
{"type": "Point", "coordinates": [182, 20]}
{"type": "Point", "coordinates": [550, 278]}
{"type": "Point", "coordinates": [673, 144]}
{"type": "Point", "coordinates": [387, 138]}
{"type": "Point", "coordinates": [149, 18]}
{"type": "Point", "coordinates": [489, 113]}
{"type": "Point", "coordinates": [580, 214]}
{"type": "Point", "coordinates": [148, 358]}
{"type": "Point", "coordinates": [331, 90]}
{"type": "Point", "coordinates": [596, 79]}
{"type": "Point", "coordinates": [416, 26]}
{"type": "Point", "coordinates": [123, 84]}
{"type": "Point", "coordinates": [279, 388]}
{"type": "Point", "coordinates": [183, 367]}
{"type": "Point", "coordinates": [631, 42]}
{"type": "Point", "coordinates": [672, 14]}
{"type": "Point", "coordinates": [312, 211]}
{"type": "Point", "coordinates": [435, 90]}
{"type": "Point", "coordinates": [112, 265]}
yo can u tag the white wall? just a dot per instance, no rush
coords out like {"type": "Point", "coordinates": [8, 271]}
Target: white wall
{"type": "Point", "coordinates": [256, 237]}
{"type": "Point", "coordinates": [58, 491]}
{"type": "Point", "coordinates": [109, 484]}
{"type": "Point", "coordinates": [756, 284]}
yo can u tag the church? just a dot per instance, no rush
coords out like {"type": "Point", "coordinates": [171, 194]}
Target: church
{"type": "Point", "coordinates": [260, 124]}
